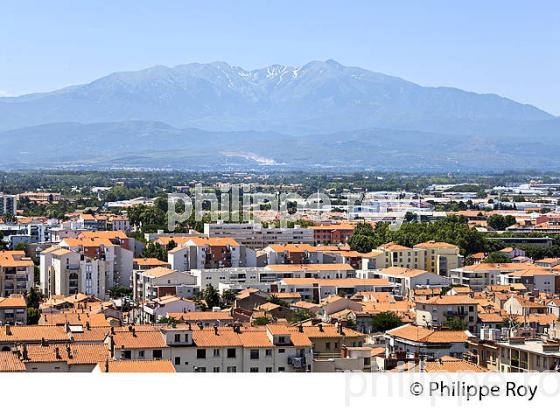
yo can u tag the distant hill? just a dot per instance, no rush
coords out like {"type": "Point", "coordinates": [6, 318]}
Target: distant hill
{"type": "Point", "coordinates": [142, 144]}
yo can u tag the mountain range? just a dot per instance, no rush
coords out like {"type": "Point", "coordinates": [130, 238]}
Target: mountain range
{"type": "Point", "coordinates": [319, 115]}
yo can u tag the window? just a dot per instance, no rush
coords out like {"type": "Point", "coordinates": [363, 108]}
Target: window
{"type": "Point", "coordinates": [200, 369]}
{"type": "Point", "coordinates": [201, 353]}
{"type": "Point", "coordinates": [254, 370]}
{"type": "Point", "coordinates": [254, 354]}
{"type": "Point", "coordinates": [268, 352]}
{"type": "Point", "coordinates": [216, 352]}
{"type": "Point", "coordinates": [328, 345]}
{"type": "Point", "coordinates": [269, 370]}
{"type": "Point", "coordinates": [231, 369]}
{"type": "Point", "coordinates": [231, 353]}
{"type": "Point", "coordinates": [216, 370]}
{"type": "Point", "coordinates": [157, 354]}
{"type": "Point", "coordinates": [177, 361]}
{"type": "Point", "coordinates": [281, 369]}
{"type": "Point", "coordinates": [126, 354]}
{"type": "Point", "coordinates": [141, 354]}
{"type": "Point", "coordinates": [281, 339]}
{"type": "Point", "coordinates": [177, 338]}
{"type": "Point", "coordinates": [281, 350]}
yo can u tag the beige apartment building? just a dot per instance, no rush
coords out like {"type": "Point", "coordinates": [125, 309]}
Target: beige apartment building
{"type": "Point", "coordinates": [16, 273]}
{"type": "Point", "coordinates": [439, 309]}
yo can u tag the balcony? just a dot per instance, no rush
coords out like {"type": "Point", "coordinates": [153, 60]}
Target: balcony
{"type": "Point", "coordinates": [298, 362]}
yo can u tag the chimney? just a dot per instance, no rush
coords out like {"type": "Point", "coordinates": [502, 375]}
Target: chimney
{"type": "Point", "coordinates": [24, 352]}
{"type": "Point", "coordinates": [57, 353]}
{"type": "Point", "coordinates": [215, 329]}
{"type": "Point", "coordinates": [320, 326]}
{"type": "Point", "coordinates": [112, 330]}
{"type": "Point", "coordinates": [300, 328]}
{"type": "Point", "coordinates": [200, 325]}
{"type": "Point", "coordinates": [88, 326]}
{"type": "Point", "coordinates": [106, 365]}
{"type": "Point", "coordinates": [133, 332]}
{"type": "Point", "coordinates": [69, 351]}
{"type": "Point", "coordinates": [43, 342]}
{"type": "Point", "coordinates": [8, 330]}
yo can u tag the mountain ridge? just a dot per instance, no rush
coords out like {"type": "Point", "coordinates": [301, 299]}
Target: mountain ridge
{"type": "Point", "coordinates": [317, 97]}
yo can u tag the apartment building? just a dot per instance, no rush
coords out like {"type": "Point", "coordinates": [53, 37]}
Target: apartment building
{"type": "Point", "coordinates": [407, 280]}
{"type": "Point", "coordinates": [161, 281]}
{"type": "Point", "coordinates": [13, 310]}
{"type": "Point", "coordinates": [518, 355]}
{"type": "Point", "coordinates": [254, 235]}
{"type": "Point", "coordinates": [317, 289]}
{"type": "Point", "coordinates": [8, 204]}
{"type": "Point", "coordinates": [332, 233]}
{"type": "Point", "coordinates": [438, 310]}
{"type": "Point", "coordinates": [67, 272]}
{"type": "Point", "coordinates": [413, 341]}
{"type": "Point", "coordinates": [440, 257]}
{"type": "Point", "coordinates": [211, 253]}
{"type": "Point", "coordinates": [16, 273]}
{"type": "Point", "coordinates": [403, 256]}
{"type": "Point", "coordinates": [481, 275]}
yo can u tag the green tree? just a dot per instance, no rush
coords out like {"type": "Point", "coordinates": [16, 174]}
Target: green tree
{"type": "Point", "coordinates": [33, 316]}
{"type": "Point", "coordinates": [497, 257]}
{"type": "Point", "coordinates": [385, 321]}
{"type": "Point", "coordinates": [211, 297]}
{"type": "Point", "coordinates": [228, 297]}
{"type": "Point", "coordinates": [300, 315]}
{"type": "Point", "coordinates": [261, 321]}
{"type": "Point", "coordinates": [119, 291]}
{"type": "Point", "coordinates": [455, 323]}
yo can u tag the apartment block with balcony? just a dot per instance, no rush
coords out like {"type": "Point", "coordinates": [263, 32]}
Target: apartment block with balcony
{"type": "Point", "coordinates": [16, 273]}
{"type": "Point", "coordinates": [438, 310]}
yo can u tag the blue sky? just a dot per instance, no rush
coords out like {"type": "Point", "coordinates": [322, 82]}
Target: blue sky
{"type": "Point", "coordinates": [511, 48]}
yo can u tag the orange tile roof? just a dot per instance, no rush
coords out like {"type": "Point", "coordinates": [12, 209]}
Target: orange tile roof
{"type": "Point", "coordinates": [406, 272]}
{"type": "Point", "coordinates": [214, 241]}
{"type": "Point", "coordinates": [18, 334]}
{"type": "Point", "coordinates": [137, 366]}
{"type": "Point", "coordinates": [9, 362]}
{"type": "Point", "coordinates": [451, 300]}
{"type": "Point", "coordinates": [73, 354]}
{"type": "Point", "coordinates": [13, 302]}
{"type": "Point", "coordinates": [201, 316]}
{"type": "Point", "coordinates": [110, 235]}
{"type": "Point", "coordinates": [449, 364]}
{"type": "Point", "coordinates": [149, 262]}
{"type": "Point", "coordinates": [14, 259]}
{"type": "Point", "coordinates": [424, 335]}
{"type": "Point", "coordinates": [434, 244]}
{"type": "Point", "coordinates": [350, 282]}
{"type": "Point", "coordinates": [139, 340]}
{"type": "Point", "coordinates": [158, 272]}
{"type": "Point", "coordinates": [310, 267]}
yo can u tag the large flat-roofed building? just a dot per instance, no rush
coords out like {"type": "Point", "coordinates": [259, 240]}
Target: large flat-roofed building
{"type": "Point", "coordinates": [254, 235]}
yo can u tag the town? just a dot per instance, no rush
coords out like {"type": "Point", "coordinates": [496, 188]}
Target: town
{"type": "Point", "coordinates": [386, 273]}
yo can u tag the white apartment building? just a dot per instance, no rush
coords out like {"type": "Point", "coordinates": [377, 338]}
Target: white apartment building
{"type": "Point", "coordinates": [254, 235]}
{"type": "Point", "coordinates": [211, 253]}
{"type": "Point", "coordinates": [161, 281]}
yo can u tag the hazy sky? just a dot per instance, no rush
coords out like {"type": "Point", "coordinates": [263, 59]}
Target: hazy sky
{"type": "Point", "coordinates": [511, 48]}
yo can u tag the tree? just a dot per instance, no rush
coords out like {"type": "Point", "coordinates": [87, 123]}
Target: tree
{"type": "Point", "coordinates": [499, 222]}
{"type": "Point", "coordinates": [33, 316]}
{"type": "Point", "coordinates": [211, 297]}
{"type": "Point", "coordinates": [455, 323]}
{"type": "Point", "coordinates": [33, 298]}
{"type": "Point", "coordinates": [118, 291]}
{"type": "Point", "coordinates": [497, 257]}
{"type": "Point", "coordinates": [300, 315]}
{"type": "Point", "coordinates": [385, 321]}
{"type": "Point", "coordinates": [228, 297]}
{"type": "Point", "coordinates": [261, 321]}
